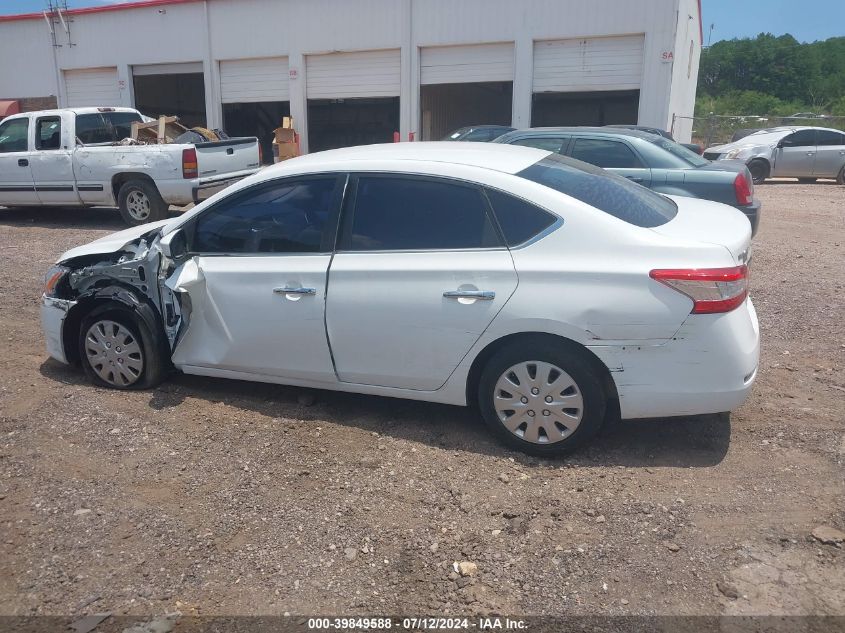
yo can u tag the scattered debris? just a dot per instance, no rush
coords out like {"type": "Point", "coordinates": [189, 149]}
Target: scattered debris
{"type": "Point", "coordinates": [88, 623]}
{"type": "Point", "coordinates": [465, 568]}
{"type": "Point", "coordinates": [828, 535]}
{"type": "Point", "coordinates": [727, 589]}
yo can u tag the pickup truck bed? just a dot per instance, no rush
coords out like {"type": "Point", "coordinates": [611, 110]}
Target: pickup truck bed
{"type": "Point", "coordinates": [74, 158]}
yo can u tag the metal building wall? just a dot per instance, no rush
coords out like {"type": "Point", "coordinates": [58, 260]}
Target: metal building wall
{"type": "Point", "coordinates": [216, 30]}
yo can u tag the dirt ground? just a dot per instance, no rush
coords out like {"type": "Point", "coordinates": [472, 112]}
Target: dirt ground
{"type": "Point", "coordinates": [218, 497]}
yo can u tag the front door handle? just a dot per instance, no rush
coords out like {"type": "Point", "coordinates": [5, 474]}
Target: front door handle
{"type": "Point", "coordinates": [484, 295]}
{"type": "Point", "coordinates": [22, 162]}
{"type": "Point", "coordinates": [634, 178]}
{"type": "Point", "coordinates": [287, 290]}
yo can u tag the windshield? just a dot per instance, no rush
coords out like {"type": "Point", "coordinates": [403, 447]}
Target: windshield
{"type": "Point", "coordinates": [603, 190]}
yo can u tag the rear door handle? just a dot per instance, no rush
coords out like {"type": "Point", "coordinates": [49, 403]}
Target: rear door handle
{"type": "Point", "coordinates": [484, 295]}
{"type": "Point", "coordinates": [22, 162]}
{"type": "Point", "coordinates": [288, 290]}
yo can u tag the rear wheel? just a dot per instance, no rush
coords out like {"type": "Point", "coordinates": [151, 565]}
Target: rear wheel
{"type": "Point", "coordinates": [118, 351]}
{"type": "Point", "coordinates": [140, 202]}
{"type": "Point", "coordinates": [759, 169]}
{"type": "Point", "coordinates": [541, 399]}
{"type": "Point", "coordinates": [840, 179]}
{"type": "Point", "coordinates": [807, 181]}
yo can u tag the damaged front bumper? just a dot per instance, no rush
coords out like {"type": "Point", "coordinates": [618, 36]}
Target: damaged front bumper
{"type": "Point", "coordinates": [53, 314]}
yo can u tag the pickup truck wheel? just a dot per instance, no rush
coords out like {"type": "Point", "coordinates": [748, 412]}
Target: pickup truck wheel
{"type": "Point", "coordinates": [140, 202]}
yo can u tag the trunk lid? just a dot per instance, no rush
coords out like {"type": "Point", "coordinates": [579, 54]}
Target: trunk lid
{"type": "Point", "coordinates": [733, 166]}
{"type": "Point", "coordinates": [217, 159]}
{"type": "Point", "coordinates": [710, 222]}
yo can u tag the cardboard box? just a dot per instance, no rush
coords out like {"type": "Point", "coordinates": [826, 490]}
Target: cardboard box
{"type": "Point", "coordinates": [285, 143]}
{"type": "Point", "coordinates": [283, 151]}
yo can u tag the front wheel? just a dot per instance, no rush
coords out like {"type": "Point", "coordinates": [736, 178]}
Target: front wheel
{"type": "Point", "coordinates": [140, 202]}
{"type": "Point", "coordinates": [759, 171]}
{"type": "Point", "coordinates": [117, 351]}
{"type": "Point", "coordinates": [545, 400]}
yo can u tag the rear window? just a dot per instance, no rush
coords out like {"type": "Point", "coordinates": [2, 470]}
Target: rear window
{"type": "Point", "coordinates": [676, 149]}
{"type": "Point", "coordinates": [603, 190]}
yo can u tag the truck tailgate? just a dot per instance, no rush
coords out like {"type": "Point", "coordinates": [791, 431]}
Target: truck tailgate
{"type": "Point", "coordinates": [217, 159]}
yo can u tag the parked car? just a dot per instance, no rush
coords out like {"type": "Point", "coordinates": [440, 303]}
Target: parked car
{"type": "Point", "coordinates": [543, 289]}
{"type": "Point", "coordinates": [73, 158]}
{"type": "Point", "coordinates": [693, 147]}
{"type": "Point", "coordinates": [477, 133]}
{"type": "Point", "coordinates": [651, 161]}
{"type": "Point", "coordinates": [805, 153]}
{"type": "Point", "coordinates": [800, 117]}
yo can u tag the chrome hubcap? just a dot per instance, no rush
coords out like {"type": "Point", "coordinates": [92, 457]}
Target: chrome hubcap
{"type": "Point", "coordinates": [114, 353]}
{"type": "Point", "coordinates": [538, 402]}
{"type": "Point", "coordinates": [138, 205]}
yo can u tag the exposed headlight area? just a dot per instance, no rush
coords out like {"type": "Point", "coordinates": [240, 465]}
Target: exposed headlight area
{"type": "Point", "coordinates": [55, 281]}
{"type": "Point", "coordinates": [740, 152]}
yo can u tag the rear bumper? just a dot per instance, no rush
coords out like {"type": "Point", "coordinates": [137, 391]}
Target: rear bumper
{"type": "Point", "coordinates": [752, 212]}
{"type": "Point", "coordinates": [709, 366]}
{"type": "Point", "coordinates": [53, 315]}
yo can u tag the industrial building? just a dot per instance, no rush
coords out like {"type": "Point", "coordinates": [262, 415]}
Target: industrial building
{"type": "Point", "coordinates": [359, 71]}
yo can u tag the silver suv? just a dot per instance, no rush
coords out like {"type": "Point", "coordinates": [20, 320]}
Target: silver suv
{"type": "Point", "coordinates": [805, 153]}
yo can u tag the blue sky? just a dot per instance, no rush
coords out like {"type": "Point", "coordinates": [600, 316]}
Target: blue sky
{"type": "Point", "coordinates": [817, 20]}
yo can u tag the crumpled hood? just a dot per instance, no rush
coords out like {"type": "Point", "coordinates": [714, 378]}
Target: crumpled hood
{"type": "Point", "coordinates": [111, 243]}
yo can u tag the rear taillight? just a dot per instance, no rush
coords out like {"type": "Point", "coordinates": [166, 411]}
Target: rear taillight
{"type": "Point", "coordinates": [712, 290]}
{"type": "Point", "coordinates": [744, 189]}
{"type": "Point", "coordinates": [189, 163]}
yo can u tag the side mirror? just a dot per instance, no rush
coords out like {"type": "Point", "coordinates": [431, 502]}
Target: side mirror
{"type": "Point", "coordinates": [173, 245]}
{"type": "Point", "coordinates": [780, 145]}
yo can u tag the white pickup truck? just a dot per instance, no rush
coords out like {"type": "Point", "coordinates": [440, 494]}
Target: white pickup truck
{"type": "Point", "coordinates": [72, 158]}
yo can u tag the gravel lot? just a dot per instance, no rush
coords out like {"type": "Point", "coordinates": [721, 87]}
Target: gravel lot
{"type": "Point", "coordinates": [218, 497]}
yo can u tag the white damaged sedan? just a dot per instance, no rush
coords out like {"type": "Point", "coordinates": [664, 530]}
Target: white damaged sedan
{"type": "Point", "coordinates": [541, 289]}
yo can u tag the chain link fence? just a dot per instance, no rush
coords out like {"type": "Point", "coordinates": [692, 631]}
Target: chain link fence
{"type": "Point", "coordinates": [716, 129]}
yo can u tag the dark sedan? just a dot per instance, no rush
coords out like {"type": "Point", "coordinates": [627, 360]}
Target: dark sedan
{"type": "Point", "coordinates": [478, 133]}
{"type": "Point", "coordinates": [653, 161]}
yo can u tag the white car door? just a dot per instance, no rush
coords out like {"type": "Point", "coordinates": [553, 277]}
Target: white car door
{"type": "Point", "coordinates": [419, 273]}
{"type": "Point", "coordinates": [257, 280]}
{"type": "Point", "coordinates": [52, 162]}
{"type": "Point", "coordinates": [16, 184]}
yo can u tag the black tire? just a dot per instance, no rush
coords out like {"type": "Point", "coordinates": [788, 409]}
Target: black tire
{"type": "Point", "coordinates": [807, 181]}
{"type": "Point", "coordinates": [580, 367]}
{"type": "Point", "coordinates": [840, 179]}
{"type": "Point", "coordinates": [759, 169]}
{"type": "Point", "coordinates": [130, 200]}
{"type": "Point", "coordinates": [154, 364]}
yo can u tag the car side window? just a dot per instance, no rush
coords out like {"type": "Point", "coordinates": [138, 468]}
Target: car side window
{"type": "Point", "coordinates": [48, 133]}
{"type": "Point", "coordinates": [605, 153]}
{"type": "Point", "coordinates": [13, 135]}
{"type": "Point", "coordinates": [552, 144]}
{"type": "Point", "coordinates": [92, 128]}
{"type": "Point", "coordinates": [121, 123]}
{"type": "Point", "coordinates": [801, 138]}
{"type": "Point", "coordinates": [407, 213]}
{"type": "Point", "coordinates": [828, 138]}
{"type": "Point", "coordinates": [519, 220]}
{"type": "Point", "coordinates": [289, 216]}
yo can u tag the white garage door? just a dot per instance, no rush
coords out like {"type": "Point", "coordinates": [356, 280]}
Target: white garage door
{"type": "Point", "coordinates": [349, 75]}
{"type": "Point", "coordinates": [254, 80]}
{"type": "Point", "coordinates": [602, 63]}
{"type": "Point", "coordinates": [92, 87]}
{"type": "Point", "coordinates": [466, 64]}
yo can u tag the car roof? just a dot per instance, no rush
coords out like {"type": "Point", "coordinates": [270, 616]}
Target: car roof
{"type": "Point", "coordinates": [85, 110]}
{"type": "Point", "coordinates": [508, 159]}
{"type": "Point", "coordinates": [607, 131]}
